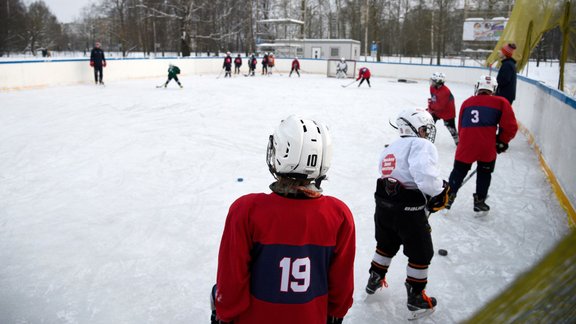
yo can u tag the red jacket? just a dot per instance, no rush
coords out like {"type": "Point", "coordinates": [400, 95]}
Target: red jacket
{"type": "Point", "coordinates": [480, 117]}
{"type": "Point", "coordinates": [363, 73]}
{"type": "Point", "coordinates": [296, 64]}
{"type": "Point", "coordinates": [442, 103]}
{"type": "Point", "coordinates": [285, 261]}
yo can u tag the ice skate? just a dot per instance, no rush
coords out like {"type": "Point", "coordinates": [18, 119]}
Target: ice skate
{"type": "Point", "coordinates": [419, 304]}
{"type": "Point", "coordinates": [375, 282]}
{"type": "Point", "coordinates": [480, 204]}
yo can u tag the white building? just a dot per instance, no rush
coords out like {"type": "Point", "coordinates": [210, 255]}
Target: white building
{"type": "Point", "coordinates": [314, 48]}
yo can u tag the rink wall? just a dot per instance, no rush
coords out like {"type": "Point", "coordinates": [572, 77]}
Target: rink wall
{"type": "Point", "coordinates": [547, 116]}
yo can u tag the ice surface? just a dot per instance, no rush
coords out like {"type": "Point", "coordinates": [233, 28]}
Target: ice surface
{"type": "Point", "coordinates": [113, 199]}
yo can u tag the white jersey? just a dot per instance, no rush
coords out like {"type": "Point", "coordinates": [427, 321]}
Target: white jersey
{"type": "Point", "coordinates": [342, 66]}
{"type": "Point", "coordinates": [412, 161]}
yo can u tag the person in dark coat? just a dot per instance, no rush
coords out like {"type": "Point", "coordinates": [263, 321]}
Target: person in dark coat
{"type": "Point", "coordinates": [227, 65]}
{"type": "Point", "coordinates": [98, 62]}
{"type": "Point", "coordinates": [252, 62]}
{"type": "Point", "coordinates": [506, 78]}
{"type": "Point", "coordinates": [237, 64]}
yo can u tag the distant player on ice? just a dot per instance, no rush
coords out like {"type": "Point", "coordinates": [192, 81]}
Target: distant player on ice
{"type": "Point", "coordinates": [173, 72]}
{"type": "Point", "coordinates": [287, 257]}
{"type": "Point", "coordinates": [271, 62]}
{"type": "Point", "coordinates": [295, 67]}
{"type": "Point", "coordinates": [252, 62]}
{"type": "Point", "coordinates": [364, 74]}
{"type": "Point", "coordinates": [265, 64]}
{"type": "Point", "coordinates": [237, 64]}
{"type": "Point", "coordinates": [341, 69]}
{"type": "Point", "coordinates": [227, 65]}
{"type": "Point", "coordinates": [441, 104]}
{"type": "Point", "coordinates": [98, 62]}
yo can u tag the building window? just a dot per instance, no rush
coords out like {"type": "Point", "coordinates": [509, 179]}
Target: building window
{"type": "Point", "coordinates": [334, 51]}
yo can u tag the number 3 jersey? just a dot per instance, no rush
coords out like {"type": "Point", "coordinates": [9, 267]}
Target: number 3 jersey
{"type": "Point", "coordinates": [479, 119]}
{"type": "Point", "coordinates": [285, 260]}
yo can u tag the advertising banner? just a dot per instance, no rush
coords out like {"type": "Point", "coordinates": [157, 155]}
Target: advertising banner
{"type": "Point", "coordinates": [483, 30]}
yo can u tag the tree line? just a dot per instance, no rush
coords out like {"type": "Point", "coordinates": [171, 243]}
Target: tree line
{"type": "Point", "coordinates": [398, 27]}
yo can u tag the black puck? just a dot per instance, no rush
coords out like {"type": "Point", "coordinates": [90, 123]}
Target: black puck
{"type": "Point", "coordinates": [443, 252]}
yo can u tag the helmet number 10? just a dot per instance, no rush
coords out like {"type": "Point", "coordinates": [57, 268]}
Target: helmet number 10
{"type": "Point", "coordinates": [295, 274]}
{"type": "Point", "coordinates": [312, 160]}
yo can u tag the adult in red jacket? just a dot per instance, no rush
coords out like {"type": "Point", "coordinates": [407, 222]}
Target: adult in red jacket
{"type": "Point", "coordinates": [364, 74]}
{"type": "Point", "coordinates": [295, 67]}
{"type": "Point", "coordinates": [487, 124]}
{"type": "Point", "coordinates": [288, 256]}
{"type": "Point", "coordinates": [441, 104]}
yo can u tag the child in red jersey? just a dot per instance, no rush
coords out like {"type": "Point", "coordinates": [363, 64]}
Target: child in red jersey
{"type": "Point", "coordinates": [487, 124]}
{"type": "Point", "coordinates": [441, 104]}
{"type": "Point", "coordinates": [364, 74]}
{"type": "Point", "coordinates": [288, 256]}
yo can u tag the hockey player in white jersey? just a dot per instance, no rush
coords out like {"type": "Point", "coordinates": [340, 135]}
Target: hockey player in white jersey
{"type": "Point", "coordinates": [408, 189]}
{"type": "Point", "coordinates": [341, 69]}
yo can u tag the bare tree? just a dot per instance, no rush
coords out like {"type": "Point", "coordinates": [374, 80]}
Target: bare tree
{"type": "Point", "coordinates": [42, 27]}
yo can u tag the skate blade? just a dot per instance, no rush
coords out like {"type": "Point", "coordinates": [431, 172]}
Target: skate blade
{"type": "Point", "coordinates": [418, 314]}
{"type": "Point", "coordinates": [481, 214]}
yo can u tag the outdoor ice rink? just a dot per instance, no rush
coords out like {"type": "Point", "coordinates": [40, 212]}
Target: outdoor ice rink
{"type": "Point", "coordinates": [113, 199]}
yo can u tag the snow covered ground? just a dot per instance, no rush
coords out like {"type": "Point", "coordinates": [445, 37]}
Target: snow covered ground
{"type": "Point", "coordinates": [113, 199]}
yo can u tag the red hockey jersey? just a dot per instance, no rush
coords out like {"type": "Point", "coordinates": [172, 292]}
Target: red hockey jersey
{"type": "Point", "coordinates": [363, 73]}
{"type": "Point", "coordinates": [442, 103]}
{"type": "Point", "coordinates": [285, 260]}
{"type": "Point", "coordinates": [480, 117]}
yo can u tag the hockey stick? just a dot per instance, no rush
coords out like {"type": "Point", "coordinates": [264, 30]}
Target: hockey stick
{"type": "Point", "coordinates": [390, 122]}
{"type": "Point", "coordinates": [469, 177]}
{"type": "Point", "coordinates": [280, 74]}
{"type": "Point", "coordinates": [219, 74]}
{"type": "Point", "coordinates": [349, 84]}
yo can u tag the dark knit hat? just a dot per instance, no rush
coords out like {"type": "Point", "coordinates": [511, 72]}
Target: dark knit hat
{"type": "Point", "coordinates": [508, 49]}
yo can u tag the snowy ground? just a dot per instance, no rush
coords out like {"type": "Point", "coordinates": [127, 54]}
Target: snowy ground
{"type": "Point", "coordinates": [113, 199]}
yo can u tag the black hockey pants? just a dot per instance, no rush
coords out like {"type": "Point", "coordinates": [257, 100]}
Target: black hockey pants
{"type": "Point", "coordinates": [401, 219]}
{"type": "Point", "coordinates": [483, 177]}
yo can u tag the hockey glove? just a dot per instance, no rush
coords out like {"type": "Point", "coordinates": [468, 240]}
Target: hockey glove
{"type": "Point", "coordinates": [501, 147]}
{"type": "Point", "coordinates": [334, 320]}
{"type": "Point", "coordinates": [92, 63]}
{"type": "Point", "coordinates": [439, 202]}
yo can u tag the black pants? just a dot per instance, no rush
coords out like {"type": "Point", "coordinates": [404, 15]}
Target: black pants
{"type": "Point", "coordinates": [172, 77]}
{"type": "Point", "coordinates": [98, 74]}
{"type": "Point", "coordinates": [293, 69]}
{"type": "Point", "coordinates": [367, 81]}
{"type": "Point", "coordinates": [401, 219]}
{"type": "Point", "coordinates": [483, 177]}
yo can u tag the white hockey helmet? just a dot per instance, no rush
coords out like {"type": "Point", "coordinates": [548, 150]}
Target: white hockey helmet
{"type": "Point", "coordinates": [228, 53]}
{"type": "Point", "coordinates": [300, 149]}
{"type": "Point", "coordinates": [438, 78]}
{"type": "Point", "coordinates": [487, 83]}
{"type": "Point", "coordinates": [342, 60]}
{"type": "Point", "coordinates": [411, 121]}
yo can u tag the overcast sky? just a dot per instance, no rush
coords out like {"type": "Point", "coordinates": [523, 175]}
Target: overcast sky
{"type": "Point", "coordinates": [65, 10]}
